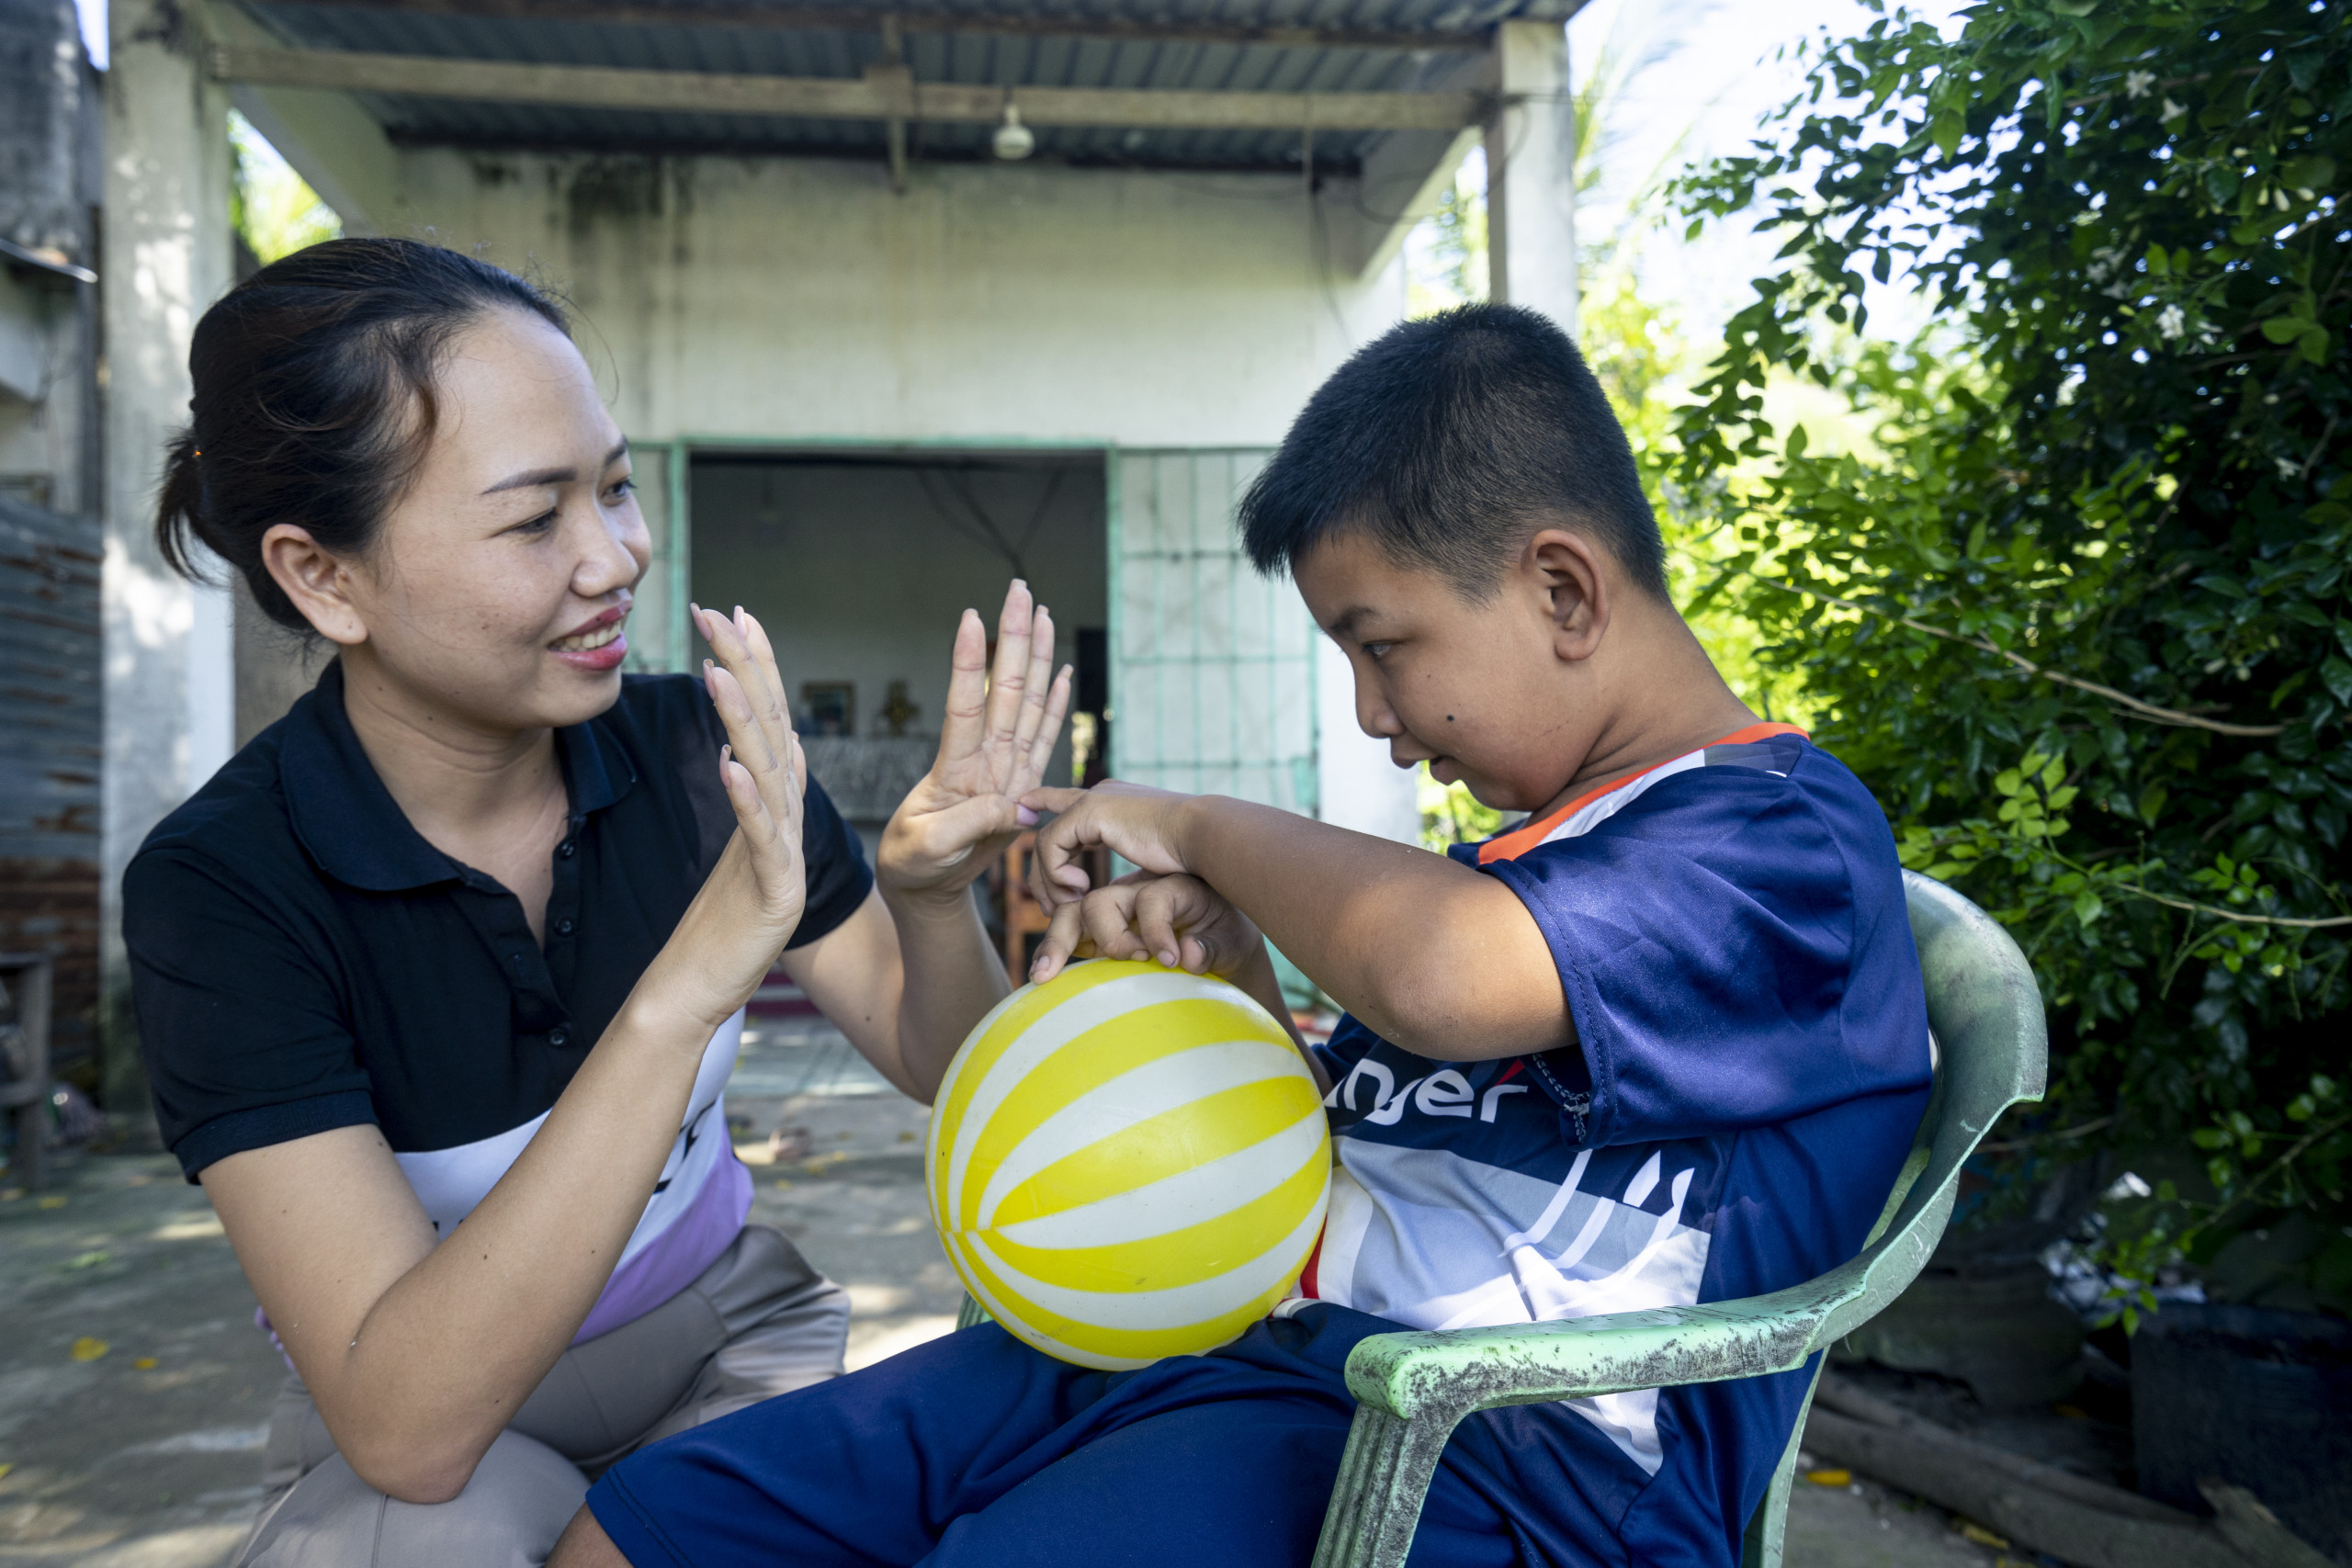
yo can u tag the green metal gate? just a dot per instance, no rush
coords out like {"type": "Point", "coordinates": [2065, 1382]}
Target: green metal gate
{"type": "Point", "coordinates": [1212, 666]}
{"type": "Point", "coordinates": [1212, 672]}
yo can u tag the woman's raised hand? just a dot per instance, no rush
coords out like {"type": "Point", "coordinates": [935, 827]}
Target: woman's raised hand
{"type": "Point", "coordinates": [998, 733]}
{"type": "Point", "coordinates": [750, 904]}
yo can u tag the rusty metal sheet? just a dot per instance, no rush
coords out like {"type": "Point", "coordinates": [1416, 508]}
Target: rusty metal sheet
{"type": "Point", "coordinates": [50, 753]}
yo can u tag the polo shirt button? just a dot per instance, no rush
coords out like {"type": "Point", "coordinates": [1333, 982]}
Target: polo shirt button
{"type": "Point", "coordinates": [559, 1035]}
{"type": "Point", "coordinates": [567, 849]}
{"type": "Point", "coordinates": [564, 928]}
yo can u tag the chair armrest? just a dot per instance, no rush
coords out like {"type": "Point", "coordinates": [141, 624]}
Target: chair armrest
{"type": "Point", "coordinates": [1456, 1372]}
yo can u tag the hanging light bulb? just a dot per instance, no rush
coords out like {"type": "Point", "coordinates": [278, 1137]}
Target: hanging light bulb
{"type": "Point", "coordinates": [1013, 141]}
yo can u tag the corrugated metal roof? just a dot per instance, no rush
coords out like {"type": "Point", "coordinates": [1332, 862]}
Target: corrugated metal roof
{"type": "Point", "coordinates": [966, 58]}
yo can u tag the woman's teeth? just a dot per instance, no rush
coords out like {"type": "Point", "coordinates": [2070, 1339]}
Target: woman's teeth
{"type": "Point", "coordinates": [587, 640]}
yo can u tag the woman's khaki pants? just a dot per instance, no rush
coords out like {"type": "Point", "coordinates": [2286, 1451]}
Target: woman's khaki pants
{"type": "Point", "coordinates": [759, 1322]}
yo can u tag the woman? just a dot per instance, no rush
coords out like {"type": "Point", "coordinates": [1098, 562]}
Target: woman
{"type": "Point", "coordinates": [441, 977]}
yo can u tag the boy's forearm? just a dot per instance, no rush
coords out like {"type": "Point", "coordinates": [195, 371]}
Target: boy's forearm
{"type": "Point", "coordinates": [952, 977]}
{"type": "Point", "coordinates": [1430, 955]}
{"type": "Point", "coordinates": [1258, 977]}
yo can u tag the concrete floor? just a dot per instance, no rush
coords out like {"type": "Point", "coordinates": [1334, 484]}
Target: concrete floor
{"type": "Point", "coordinates": [134, 1389]}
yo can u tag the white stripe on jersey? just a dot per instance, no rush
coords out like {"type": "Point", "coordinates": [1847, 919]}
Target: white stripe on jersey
{"type": "Point", "coordinates": [451, 1182]}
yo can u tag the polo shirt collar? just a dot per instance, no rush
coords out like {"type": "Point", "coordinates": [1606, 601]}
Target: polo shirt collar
{"type": "Point", "coordinates": [356, 832]}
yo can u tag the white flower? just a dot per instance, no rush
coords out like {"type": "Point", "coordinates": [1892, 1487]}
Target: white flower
{"type": "Point", "coordinates": [2171, 321]}
{"type": "Point", "coordinates": [2289, 468]}
{"type": "Point", "coordinates": [2103, 262]}
{"type": "Point", "coordinates": [2138, 84]}
{"type": "Point", "coordinates": [2171, 111]}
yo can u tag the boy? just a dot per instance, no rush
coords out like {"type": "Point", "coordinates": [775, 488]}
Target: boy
{"type": "Point", "coordinates": [1662, 1043]}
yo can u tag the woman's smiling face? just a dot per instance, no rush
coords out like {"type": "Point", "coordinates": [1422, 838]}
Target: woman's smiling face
{"type": "Point", "coordinates": [498, 588]}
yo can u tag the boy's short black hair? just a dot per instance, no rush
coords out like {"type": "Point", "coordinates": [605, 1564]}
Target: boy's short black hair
{"type": "Point", "coordinates": [1450, 440]}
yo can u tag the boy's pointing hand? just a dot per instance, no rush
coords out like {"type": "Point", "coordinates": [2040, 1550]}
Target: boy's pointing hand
{"type": "Point", "coordinates": [1143, 824]}
{"type": "Point", "coordinates": [1177, 921]}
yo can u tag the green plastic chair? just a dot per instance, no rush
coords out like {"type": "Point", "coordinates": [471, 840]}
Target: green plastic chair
{"type": "Point", "coordinates": [1412, 1390]}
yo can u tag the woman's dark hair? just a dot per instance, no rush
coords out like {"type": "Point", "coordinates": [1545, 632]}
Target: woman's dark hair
{"type": "Point", "coordinates": [306, 374]}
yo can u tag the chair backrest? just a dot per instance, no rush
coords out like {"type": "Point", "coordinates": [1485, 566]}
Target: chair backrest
{"type": "Point", "coordinates": [1992, 1050]}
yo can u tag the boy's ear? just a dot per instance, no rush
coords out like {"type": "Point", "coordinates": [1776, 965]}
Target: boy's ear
{"type": "Point", "coordinates": [1567, 567]}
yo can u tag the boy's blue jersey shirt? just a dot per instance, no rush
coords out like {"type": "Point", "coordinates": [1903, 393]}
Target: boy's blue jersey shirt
{"type": "Point", "coordinates": [1751, 1066]}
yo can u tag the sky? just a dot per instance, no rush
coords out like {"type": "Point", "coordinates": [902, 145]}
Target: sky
{"type": "Point", "coordinates": [1708, 72]}
{"type": "Point", "coordinates": [93, 30]}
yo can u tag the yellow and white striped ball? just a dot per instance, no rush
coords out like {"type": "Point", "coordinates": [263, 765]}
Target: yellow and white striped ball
{"type": "Point", "coordinates": [1128, 1162]}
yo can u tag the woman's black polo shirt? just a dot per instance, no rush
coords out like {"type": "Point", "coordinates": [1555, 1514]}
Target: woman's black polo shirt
{"type": "Point", "coordinates": [302, 959]}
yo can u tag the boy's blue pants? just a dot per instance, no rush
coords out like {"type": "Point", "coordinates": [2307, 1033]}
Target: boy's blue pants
{"type": "Point", "coordinates": [974, 1449]}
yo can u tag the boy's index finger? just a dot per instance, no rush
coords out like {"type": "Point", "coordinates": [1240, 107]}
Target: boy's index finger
{"type": "Point", "coordinates": [1063, 933]}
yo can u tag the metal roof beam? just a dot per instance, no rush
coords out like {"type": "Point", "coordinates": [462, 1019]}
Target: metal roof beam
{"type": "Point", "coordinates": [885, 93]}
{"type": "Point", "coordinates": [774, 19]}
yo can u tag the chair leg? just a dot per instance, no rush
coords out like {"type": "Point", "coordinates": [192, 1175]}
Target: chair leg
{"type": "Point", "coordinates": [972, 1314]}
{"type": "Point", "coordinates": [1383, 1478]}
{"type": "Point", "coordinates": [1760, 1548]}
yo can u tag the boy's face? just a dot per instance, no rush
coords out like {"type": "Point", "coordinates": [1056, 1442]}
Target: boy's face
{"type": "Point", "coordinates": [1475, 689]}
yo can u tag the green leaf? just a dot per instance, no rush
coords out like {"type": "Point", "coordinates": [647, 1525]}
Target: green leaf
{"type": "Point", "coordinates": [2285, 329]}
{"type": "Point", "coordinates": [2316, 173]}
{"type": "Point", "coordinates": [2312, 345]}
{"type": "Point", "coordinates": [2052, 774]}
{"type": "Point", "coordinates": [2151, 803]}
{"type": "Point", "coordinates": [1945, 132]}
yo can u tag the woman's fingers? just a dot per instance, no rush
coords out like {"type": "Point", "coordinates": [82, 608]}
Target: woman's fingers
{"type": "Point", "coordinates": [774, 769]}
{"type": "Point", "coordinates": [964, 727]}
{"type": "Point", "coordinates": [741, 645]}
{"type": "Point", "coordinates": [946, 837]}
{"type": "Point", "coordinates": [1035, 681]}
{"type": "Point", "coordinates": [766, 745]}
{"type": "Point", "coordinates": [764, 656]}
{"type": "Point", "coordinates": [1006, 679]}
{"type": "Point", "coordinates": [1030, 770]}
{"type": "Point", "coordinates": [796, 788]}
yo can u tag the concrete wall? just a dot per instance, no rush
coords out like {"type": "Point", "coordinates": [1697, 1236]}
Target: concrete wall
{"type": "Point", "coordinates": [798, 298]}
{"type": "Point", "coordinates": [170, 689]}
{"type": "Point", "coordinates": [859, 572]}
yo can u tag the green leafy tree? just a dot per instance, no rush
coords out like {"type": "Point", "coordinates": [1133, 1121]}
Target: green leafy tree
{"type": "Point", "coordinates": [2079, 611]}
{"type": "Point", "coordinates": [270, 207]}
